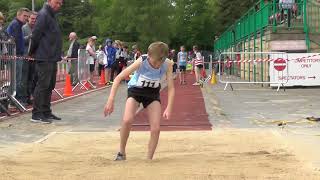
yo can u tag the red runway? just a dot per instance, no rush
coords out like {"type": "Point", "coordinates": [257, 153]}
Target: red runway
{"type": "Point", "coordinates": [189, 112]}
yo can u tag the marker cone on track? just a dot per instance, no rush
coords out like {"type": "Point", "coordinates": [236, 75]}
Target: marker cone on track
{"type": "Point", "coordinates": [68, 87]}
{"type": "Point", "coordinates": [102, 78]}
{"type": "Point", "coordinates": [213, 79]}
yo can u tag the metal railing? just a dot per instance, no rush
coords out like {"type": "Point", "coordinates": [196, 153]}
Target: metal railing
{"type": "Point", "coordinates": [83, 71]}
{"type": "Point", "coordinates": [63, 68]}
{"type": "Point", "coordinates": [252, 68]}
{"type": "Point", "coordinates": [271, 15]}
{"type": "Point", "coordinates": [8, 76]}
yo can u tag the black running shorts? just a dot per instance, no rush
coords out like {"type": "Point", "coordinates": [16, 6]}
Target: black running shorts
{"type": "Point", "coordinates": [146, 96]}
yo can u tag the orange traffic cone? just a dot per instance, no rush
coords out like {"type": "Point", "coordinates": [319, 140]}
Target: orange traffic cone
{"type": "Point", "coordinates": [67, 87]}
{"type": "Point", "coordinates": [102, 78]}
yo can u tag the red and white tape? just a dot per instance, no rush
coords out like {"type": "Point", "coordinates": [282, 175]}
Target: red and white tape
{"type": "Point", "coordinates": [9, 57]}
{"type": "Point", "coordinates": [268, 60]}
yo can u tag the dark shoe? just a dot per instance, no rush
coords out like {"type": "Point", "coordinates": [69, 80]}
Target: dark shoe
{"type": "Point", "coordinates": [120, 157]}
{"type": "Point", "coordinates": [29, 102]}
{"type": "Point", "coordinates": [40, 119]}
{"type": "Point", "coordinates": [52, 117]}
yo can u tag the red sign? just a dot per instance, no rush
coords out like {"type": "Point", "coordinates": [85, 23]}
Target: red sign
{"type": "Point", "coordinates": [280, 64]}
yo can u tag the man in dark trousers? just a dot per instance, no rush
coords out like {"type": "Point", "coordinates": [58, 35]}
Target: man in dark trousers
{"type": "Point", "coordinates": [29, 66]}
{"type": "Point", "coordinates": [73, 54]}
{"type": "Point", "coordinates": [15, 30]}
{"type": "Point", "coordinates": [46, 47]}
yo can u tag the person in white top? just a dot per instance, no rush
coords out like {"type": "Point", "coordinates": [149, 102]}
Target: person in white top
{"type": "Point", "coordinates": [199, 65]}
{"type": "Point", "coordinates": [101, 59]}
{"type": "Point", "coordinates": [91, 56]}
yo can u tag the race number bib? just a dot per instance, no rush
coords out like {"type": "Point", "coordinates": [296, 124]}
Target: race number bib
{"type": "Point", "coordinates": [147, 82]}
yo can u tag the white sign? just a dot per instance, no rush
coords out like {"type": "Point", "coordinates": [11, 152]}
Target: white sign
{"type": "Point", "coordinates": [303, 70]}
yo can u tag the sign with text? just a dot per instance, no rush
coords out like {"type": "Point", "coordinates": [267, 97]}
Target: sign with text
{"type": "Point", "coordinates": [303, 69]}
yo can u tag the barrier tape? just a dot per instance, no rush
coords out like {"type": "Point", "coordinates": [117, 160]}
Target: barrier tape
{"type": "Point", "coordinates": [268, 60]}
{"type": "Point", "coordinates": [10, 57]}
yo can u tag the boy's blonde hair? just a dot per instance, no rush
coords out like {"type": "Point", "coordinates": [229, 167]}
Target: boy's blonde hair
{"type": "Point", "coordinates": [158, 50]}
{"type": "Point", "coordinates": [21, 10]}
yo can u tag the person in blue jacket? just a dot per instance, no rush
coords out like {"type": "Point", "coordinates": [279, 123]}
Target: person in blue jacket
{"type": "Point", "coordinates": [15, 31]}
{"type": "Point", "coordinates": [110, 52]}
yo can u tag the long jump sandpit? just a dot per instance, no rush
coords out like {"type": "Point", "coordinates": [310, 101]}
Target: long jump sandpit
{"type": "Point", "coordinates": [220, 154]}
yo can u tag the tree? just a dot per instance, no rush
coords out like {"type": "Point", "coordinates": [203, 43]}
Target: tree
{"type": "Point", "coordinates": [192, 24]}
{"type": "Point", "coordinates": [176, 22]}
{"type": "Point", "coordinates": [141, 21]}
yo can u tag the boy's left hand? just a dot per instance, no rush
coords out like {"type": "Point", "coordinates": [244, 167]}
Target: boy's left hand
{"type": "Point", "coordinates": [167, 114]}
{"type": "Point", "coordinates": [109, 107]}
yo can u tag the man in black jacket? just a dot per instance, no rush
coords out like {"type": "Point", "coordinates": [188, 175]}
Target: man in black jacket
{"type": "Point", "coordinates": [73, 54]}
{"type": "Point", "coordinates": [46, 47]}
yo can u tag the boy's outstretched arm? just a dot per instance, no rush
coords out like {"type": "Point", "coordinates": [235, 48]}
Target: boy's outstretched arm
{"type": "Point", "coordinates": [171, 91]}
{"type": "Point", "coordinates": [109, 107]}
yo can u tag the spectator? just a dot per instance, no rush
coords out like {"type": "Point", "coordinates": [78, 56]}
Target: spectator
{"type": "Point", "coordinates": [94, 49]}
{"type": "Point", "coordinates": [100, 57]}
{"type": "Point", "coordinates": [175, 66]}
{"type": "Point", "coordinates": [199, 65]}
{"type": "Point", "coordinates": [73, 54]}
{"type": "Point", "coordinates": [29, 66]}
{"type": "Point", "coordinates": [3, 51]}
{"type": "Point", "coordinates": [116, 66]}
{"type": "Point", "coordinates": [137, 53]}
{"type": "Point", "coordinates": [15, 30]}
{"type": "Point", "coordinates": [110, 53]}
{"type": "Point", "coordinates": [91, 57]}
{"type": "Point", "coordinates": [46, 48]}
{"type": "Point", "coordinates": [286, 7]}
{"type": "Point", "coordinates": [123, 57]}
{"type": "Point", "coordinates": [182, 62]}
{"type": "Point", "coordinates": [125, 54]}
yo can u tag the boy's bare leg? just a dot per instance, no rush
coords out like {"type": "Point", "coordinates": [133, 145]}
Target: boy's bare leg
{"type": "Point", "coordinates": [129, 113]}
{"type": "Point", "coordinates": [154, 114]}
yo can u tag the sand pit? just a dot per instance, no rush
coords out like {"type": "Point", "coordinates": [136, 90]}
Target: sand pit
{"type": "Point", "coordinates": [222, 154]}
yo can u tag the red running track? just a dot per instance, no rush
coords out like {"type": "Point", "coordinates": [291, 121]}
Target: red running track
{"type": "Point", "coordinates": [189, 113]}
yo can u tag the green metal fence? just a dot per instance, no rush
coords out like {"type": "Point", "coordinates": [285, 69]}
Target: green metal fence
{"type": "Point", "coordinates": [247, 33]}
{"type": "Point", "coordinates": [304, 14]}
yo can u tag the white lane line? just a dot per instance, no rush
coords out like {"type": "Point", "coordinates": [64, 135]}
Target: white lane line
{"type": "Point", "coordinates": [45, 138]}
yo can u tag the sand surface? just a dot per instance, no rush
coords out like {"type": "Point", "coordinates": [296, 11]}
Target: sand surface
{"type": "Point", "coordinates": [220, 154]}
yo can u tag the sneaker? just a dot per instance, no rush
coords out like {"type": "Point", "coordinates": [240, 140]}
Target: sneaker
{"type": "Point", "coordinates": [40, 119]}
{"type": "Point", "coordinates": [29, 102]}
{"type": "Point", "coordinates": [120, 157]}
{"type": "Point", "coordinates": [108, 83]}
{"type": "Point", "coordinates": [52, 117]}
{"type": "Point", "coordinates": [196, 84]}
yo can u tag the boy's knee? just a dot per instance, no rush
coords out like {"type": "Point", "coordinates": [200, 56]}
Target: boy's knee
{"type": "Point", "coordinates": [155, 130]}
{"type": "Point", "coordinates": [127, 121]}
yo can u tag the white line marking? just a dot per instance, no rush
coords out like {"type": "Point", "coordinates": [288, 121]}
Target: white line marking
{"type": "Point", "coordinates": [46, 137]}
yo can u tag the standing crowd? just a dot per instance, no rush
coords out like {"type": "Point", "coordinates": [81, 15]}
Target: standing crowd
{"type": "Point", "coordinates": [37, 35]}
